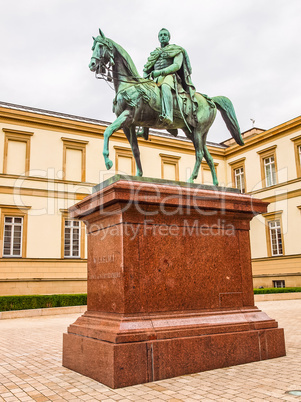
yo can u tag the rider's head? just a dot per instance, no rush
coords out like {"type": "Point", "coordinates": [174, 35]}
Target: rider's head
{"type": "Point", "coordinates": [164, 36]}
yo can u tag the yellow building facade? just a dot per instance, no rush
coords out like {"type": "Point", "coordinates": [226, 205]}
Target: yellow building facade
{"type": "Point", "coordinates": [49, 161]}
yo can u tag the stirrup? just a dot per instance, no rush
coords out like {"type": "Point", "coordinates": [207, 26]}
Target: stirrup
{"type": "Point", "coordinates": [166, 120]}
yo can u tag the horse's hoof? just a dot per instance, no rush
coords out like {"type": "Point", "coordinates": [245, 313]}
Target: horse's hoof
{"type": "Point", "coordinates": [190, 180]}
{"type": "Point", "coordinates": [109, 164]}
{"type": "Point", "coordinates": [139, 173]}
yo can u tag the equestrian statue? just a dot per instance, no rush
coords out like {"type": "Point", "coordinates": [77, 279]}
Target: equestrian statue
{"type": "Point", "coordinates": [164, 98]}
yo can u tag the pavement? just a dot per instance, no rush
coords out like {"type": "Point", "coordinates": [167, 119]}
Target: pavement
{"type": "Point", "coordinates": [31, 369]}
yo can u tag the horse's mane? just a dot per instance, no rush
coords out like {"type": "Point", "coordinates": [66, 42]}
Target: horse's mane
{"type": "Point", "coordinates": [128, 62]}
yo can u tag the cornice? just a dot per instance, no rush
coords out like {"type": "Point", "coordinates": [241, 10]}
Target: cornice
{"type": "Point", "coordinates": [94, 128]}
{"type": "Point", "coordinates": [284, 196]}
{"type": "Point", "coordinates": [272, 214]}
{"type": "Point", "coordinates": [17, 132]}
{"type": "Point", "coordinates": [237, 161]}
{"type": "Point", "coordinates": [167, 156]}
{"type": "Point", "coordinates": [265, 150]}
{"type": "Point", "coordinates": [281, 257]}
{"type": "Point", "coordinates": [19, 207]}
{"type": "Point", "coordinates": [39, 260]}
{"type": "Point", "coordinates": [22, 191]}
{"type": "Point", "coordinates": [74, 140]}
{"type": "Point", "coordinates": [285, 183]}
{"type": "Point", "coordinates": [278, 275]}
{"type": "Point", "coordinates": [45, 279]}
{"type": "Point", "coordinates": [264, 137]}
{"type": "Point", "coordinates": [298, 138]}
{"type": "Point", "coordinates": [45, 179]}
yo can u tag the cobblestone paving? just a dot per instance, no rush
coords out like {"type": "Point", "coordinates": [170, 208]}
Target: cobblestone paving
{"type": "Point", "coordinates": [31, 370]}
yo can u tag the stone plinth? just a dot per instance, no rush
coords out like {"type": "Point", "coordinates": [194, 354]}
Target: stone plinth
{"type": "Point", "coordinates": [169, 284]}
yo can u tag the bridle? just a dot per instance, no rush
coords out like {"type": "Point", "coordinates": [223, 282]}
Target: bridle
{"type": "Point", "coordinates": [106, 70]}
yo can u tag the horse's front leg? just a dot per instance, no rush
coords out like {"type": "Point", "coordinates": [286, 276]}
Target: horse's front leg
{"type": "Point", "coordinates": [107, 134]}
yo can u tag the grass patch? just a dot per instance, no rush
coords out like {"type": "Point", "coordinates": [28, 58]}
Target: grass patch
{"type": "Point", "coordinates": [276, 290]}
{"type": "Point", "coordinates": [8, 303]}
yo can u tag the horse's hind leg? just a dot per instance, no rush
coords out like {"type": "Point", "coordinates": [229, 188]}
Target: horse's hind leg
{"type": "Point", "coordinates": [210, 162]}
{"type": "Point", "coordinates": [107, 134]}
{"type": "Point", "coordinates": [132, 138]}
{"type": "Point", "coordinates": [198, 141]}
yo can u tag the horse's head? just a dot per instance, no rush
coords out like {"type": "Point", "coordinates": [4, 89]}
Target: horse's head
{"type": "Point", "coordinates": [102, 57]}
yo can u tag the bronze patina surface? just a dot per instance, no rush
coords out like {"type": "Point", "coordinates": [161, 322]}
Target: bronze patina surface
{"type": "Point", "coordinates": [164, 98]}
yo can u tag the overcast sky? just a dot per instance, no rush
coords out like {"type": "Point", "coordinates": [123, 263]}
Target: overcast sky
{"type": "Point", "coordinates": [247, 50]}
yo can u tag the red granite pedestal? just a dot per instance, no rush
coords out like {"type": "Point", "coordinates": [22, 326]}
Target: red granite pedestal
{"type": "Point", "coordinates": [169, 284]}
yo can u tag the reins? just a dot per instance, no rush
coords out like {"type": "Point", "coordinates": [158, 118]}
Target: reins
{"type": "Point", "coordinates": [104, 76]}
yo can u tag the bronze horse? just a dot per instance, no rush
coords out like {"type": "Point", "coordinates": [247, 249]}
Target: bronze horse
{"type": "Point", "coordinates": [137, 104]}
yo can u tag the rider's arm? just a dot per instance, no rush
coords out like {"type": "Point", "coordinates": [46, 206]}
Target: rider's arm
{"type": "Point", "coordinates": [174, 67]}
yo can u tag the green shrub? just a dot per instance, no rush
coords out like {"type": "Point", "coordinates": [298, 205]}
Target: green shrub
{"type": "Point", "coordinates": [8, 303]}
{"type": "Point", "coordinates": [276, 290]}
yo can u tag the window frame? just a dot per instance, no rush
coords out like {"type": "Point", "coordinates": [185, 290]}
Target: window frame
{"type": "Point", "coordinates": [238, 164]}
{"type": "Point", "coordinates": [265, 154]}
{"type": "Point", "coordinates": [72, 228]}
{"type": "Point", "coordinates": [275, 230]}
{"type": "Point", "coordinates": [13, 226]}
{"type": "Point", "coordinates": [17, 136]}
{"type": "Point", "coordinates": [269, 166]}
{"type": "Point", "coordinates": [273, 217]}
{"type": "Point", "coordinates": [173, 160]}
{"type": "Point", "coordinates": [297, 148]}
{"type": "Point", "coordinates": [19, 212]}
{"type": "Point", "coordinates": [279, 280]}
{"type": "Point", "coordinates": [77, 145]}
{"type": "Point", "coordinates": [82, 234]}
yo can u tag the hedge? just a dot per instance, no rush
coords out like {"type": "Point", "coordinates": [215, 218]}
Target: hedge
{"type": "Point", "coordinates": [8, 303]}
{"type": "Point", "coordinates": [276, 290]}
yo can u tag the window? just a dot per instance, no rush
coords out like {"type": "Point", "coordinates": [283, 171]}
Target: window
{"type": "Point", "coordinates": [279, 284]}
{"type": "Point", "coordinates": [16, 158]}
{"type": "Point", "coordinates": [124, 161]}
{"type": "Point", "coordinates": [275, 237]}
{"type": "Point", "coordinates": [268, 166]}
{"type": "Point", "coordinates": [270, 171]}
{"type": "Point", "coordinates": [170, 167]}
{"type": "Point", "coordinates": [74, 159]}
{"type": "Point", "coordinates": [72, 239]}
{"type": "Point", "coordinates": [239, 178]}
{"type": "Point", "coordinates": [13, 231]}
{"type": "Point", "coordinates": [274, 233]}
{"type": "Point", "coordinates": [297, 146]}
{"type": "Point", "coordinates": [238, 174]}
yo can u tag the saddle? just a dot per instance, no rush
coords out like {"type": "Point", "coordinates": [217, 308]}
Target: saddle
{"type": "Point", "coordinates": [183, 106]}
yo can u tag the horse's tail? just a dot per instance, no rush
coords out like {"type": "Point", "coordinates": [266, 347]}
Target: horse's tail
{"type": "Point", "coordinates": [225, 106]}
